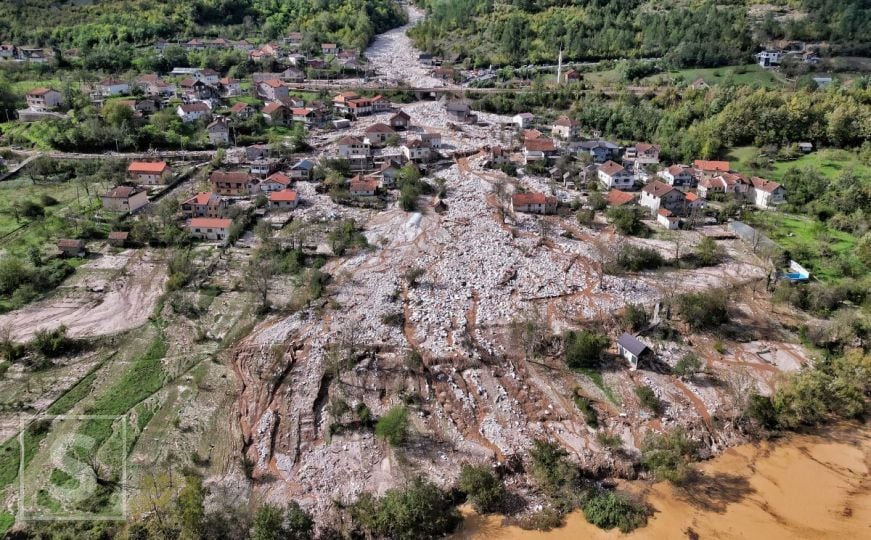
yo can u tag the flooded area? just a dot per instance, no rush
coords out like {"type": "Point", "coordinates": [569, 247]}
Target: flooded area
{"type": "Point", "coordinates": [802, 486]}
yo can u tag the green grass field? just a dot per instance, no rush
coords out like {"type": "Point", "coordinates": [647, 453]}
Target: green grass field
{"type": "Point", "coordinates": [829, 162]}
{"type": "Point", "coordinates": [750, 74]}
{"type": "Point", "coordinates": [803, 237]}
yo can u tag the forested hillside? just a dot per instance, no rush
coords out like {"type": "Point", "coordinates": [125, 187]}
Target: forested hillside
{"type": "Point", "coordinates": [705, 33]}
{"type": "Point", "coordinates": [109, 22]}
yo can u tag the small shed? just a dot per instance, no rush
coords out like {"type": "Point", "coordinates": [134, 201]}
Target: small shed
{"type": "Point", "coordinates": [71, 247]}
{"type": "Point", "coordinates": [632, 349]}
{"type": "Point", "coordinates": [118, 238]}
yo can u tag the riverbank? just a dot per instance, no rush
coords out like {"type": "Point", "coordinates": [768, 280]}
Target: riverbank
{"type": "Point", "coordinates": [801, 486]}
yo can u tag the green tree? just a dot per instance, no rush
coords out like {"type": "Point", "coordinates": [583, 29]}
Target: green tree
{"type": "Point", "coordinates": [393, 426]}
{"type": "Point", "coordinates": [688, 365]}
{"type": "Point", "coordinates": [268, 523]}
{"type": "Point", "coordinates": [584, 349]}
{"type": "Point", "coordinates": [418, 510]}
{"type": "Point", "coordinates": [667, 456]}
{"type": "Point", "coordinates": [708, 253]}
{"type": "Point", "coordinates": [484, 490]}
{"type": "Point", "coordinates": [609, 509]}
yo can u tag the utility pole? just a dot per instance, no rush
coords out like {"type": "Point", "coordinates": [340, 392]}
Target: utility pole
{"type": "Point", "coordinates": [559, 67]}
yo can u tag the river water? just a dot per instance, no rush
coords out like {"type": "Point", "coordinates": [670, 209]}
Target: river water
{"type": "Point", "coordinates": [802, 486]}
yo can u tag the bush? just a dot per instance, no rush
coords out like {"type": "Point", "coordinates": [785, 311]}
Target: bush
{"type": "Point", "coordinates": [53, 343]}
{"type": "Point", "coordinates": [585, 405]}
{"type": "Point", "coordinates": [608, 440]}
{"type": "Point", "coordinates": [761, 409]}
{"type": "Point", "coordinates": [609, 509]}
{"type": "Point", "coordinates": [635, 259]}
{"type": "Point", "coordinates": [688, 365]}
{"type": "Point", "coordinates": [667, 456]}
{"type": "Point", "coordinates": [483, 489]}
{"type": "Point", "coordinates": [553, 472]}
{"type": "Point", "coordinates": [648, 399]}
{"type": "Point", "coordinates": [393, 426]}
{"type": "Point", "coordinates": [419, 510]}
{"type": "Point", "coordinates": [627, 220]}
{"type": "Point", "coordinates": [708, 253]}
{"type": "Point", "coordinates": [704, 310]}
{"type": "Point", "coordinates": [833, 389]}
{"type": "Point", "coordinates": [584, 349]}
{"type": "Point", "coordinates": [635, 317]}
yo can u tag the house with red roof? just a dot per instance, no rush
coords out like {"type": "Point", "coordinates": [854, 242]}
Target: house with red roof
{"type": "Point", "coordinates": [43, 99]}
{"type": "Point", "coordinates": [709, 169]}
{"type": "Point", "coordinates": [191, 112]}
{"type": "Point", "coordinates": [363, 187]}
{"type": "Point", "coordinates": [539, 149]}
{"type": "Point", "coordinates": [400, 120]}
{"type": "Point", "coordinates": [243, 110]}
{"type": "Point", "coordinates": [272, 90]}
{"type": "Point", "coordinates": [765, 193]}
{"type": "Point", "coordinates": [124, 199]}
{"type": "Point", "coordinates": [276, 114]}
{"type": "Point", "coordinates": [204, 204]}
{"type": "Point", "coordinates": [149, 173]}
{"type": "Point", "coordinates": [656, 195]}
{"type": "Point", "coordinates": [286, 199]}
{"type": "Point", "coordinates": [667, 219]}
{"type": "Point", "coordinates": [565, 128]}
{"type": "Point", "coordinates": [377, 134]}
{"type": "Point", "coordinates": [234, 183]}
{"type": "Point", "coordinates": [615, 197]}
{"type": "Point", "coordinates": [679, 176]}
{"type": "Point", "coordinates": [206, 228]}
{"type": "Point", "coordinates": [534, 203]}
{"type": "Point", "coordinates": [614, 175]}
{"type": "Point", "coordinates": [275, 182]}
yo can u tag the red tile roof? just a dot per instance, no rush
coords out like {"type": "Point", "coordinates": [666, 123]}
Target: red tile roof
{"type": "Point", "coordinates": [285, 195]}
{"type": "Point", "coordinates": [121, 192]}
{"type": "Point", "coordinates": [658, 189]}
{"type": "Point", "coordinates": [705, 165]}
{"type": "Point", "coordinates": [39, 91]}
{"type": "Point", "coordinates": [610, 168]}
{"type": "Point", "coordinates": [565, 121]}
{"type": "Point", "coordinates": [763, 184]}
{"type": "Point", "coordinates": [539, 145]}
{"type": "Point", "coordinates": [278, 178]}
{"type": "Point", "coordinates": [379, 128]}
{"type": "Point", "coordinates": [211, 223]}
{"type": "Point", "coordinates": [616, 197]}
{"type": "Point", "coordinates": [523, 199]}
{"type": "Point", "coordinates": [148, 167]}
{"type": "Point", "coordinates": [201, 198]}
{"type": "Point", "coordinates": [272, 107]}
{"type": "Point", "coordinates": [232, 177]}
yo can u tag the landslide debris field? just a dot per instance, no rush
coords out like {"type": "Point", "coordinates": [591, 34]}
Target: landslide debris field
{"type": "Point", "coordinates": [453, 311]}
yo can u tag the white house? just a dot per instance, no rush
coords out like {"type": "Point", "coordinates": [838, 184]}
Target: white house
{"type": "Point", "coordinates": [766, 194]}
{"type": "Point", "coordinates": [124, 199]}
{"type": "Point", "coordinates": [415, 151]}
{"type": "Point", "coordinates": [679, 175]}
{"type": "Point", "coordinates": [203, 228]}
{"type": "Point", "coordinates": [656, 195]}
{"type": "Point", "coordinates": [377, 134]}
{"type": "Point", "coordinates": [667, 219]}
{"type": "Point", "coordinates": [565, 128]}
{"type": "Point", "coordinates": [219, 132]}
{"type": "Point", "coordinates": [523, 120]}
{"type": "Point", "coordinates": [364, 187]}
{"type": "Point", "coordinates": [632, 349]}
{"type": "Point", "coordinates": [112, 87]}
{"type": "Point", "coordinates": [191, 112]}
{"type": "Point", "coordinates": [768, 59]}
{"type": "Point", "coordinates": [614, 175]}
{"type": "Point", "coordinates": [352, 146]}
{"type": "Point", "coordinates": [275, 182]}
{"type": "Point", "coordinates": [534, 203]}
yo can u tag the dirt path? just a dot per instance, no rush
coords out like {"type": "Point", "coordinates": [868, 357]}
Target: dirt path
{"type": "Point", "coordinates": [127, 301]}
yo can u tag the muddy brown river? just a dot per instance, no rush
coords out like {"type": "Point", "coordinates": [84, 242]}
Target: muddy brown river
{"type": "Point", "coordinates": [801, 486]}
